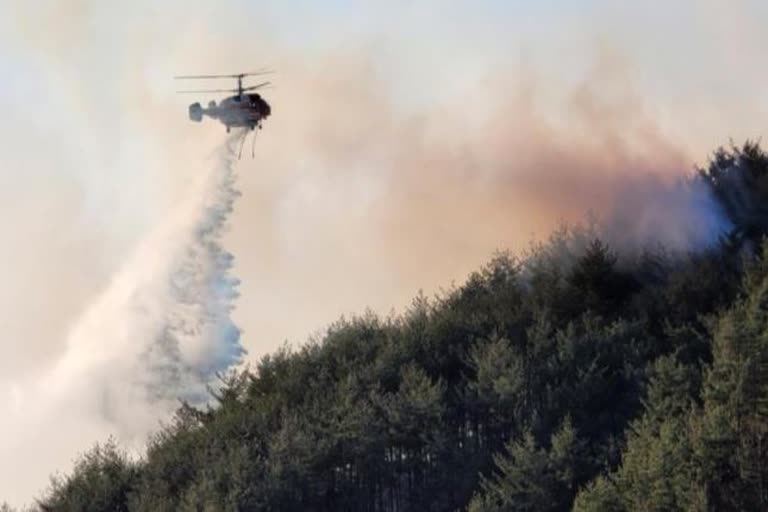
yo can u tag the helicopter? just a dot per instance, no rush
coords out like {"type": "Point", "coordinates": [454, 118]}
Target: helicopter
{"type": "Point", "coordinates": [239, 111]}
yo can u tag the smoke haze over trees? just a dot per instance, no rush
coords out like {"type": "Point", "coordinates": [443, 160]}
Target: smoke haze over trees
{"type": "Point", "coordinates": [578, 376]}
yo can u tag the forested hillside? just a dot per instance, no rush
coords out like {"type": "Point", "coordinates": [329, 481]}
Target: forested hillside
{"type": "Point", "coordinates": [573, 377]}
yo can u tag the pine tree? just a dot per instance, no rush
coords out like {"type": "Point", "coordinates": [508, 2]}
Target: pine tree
{"type": "Point", "coordinates": [103, 479]}
{"type": "Point", "coordinates": [531, 478]}
{"type": "Point", "coordinates": [601, 495]}
{"type": "Point", "coordinates": [657, 467]}
{"type": "Point", "coordinates": [597, 284]}
{"type": "Point", "coordinates": [733, 439]}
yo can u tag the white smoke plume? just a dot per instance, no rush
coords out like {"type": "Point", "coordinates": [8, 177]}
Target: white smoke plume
{"type": "Point", "coordinates": [159, 333]}
{"type": "Point", "coordinates": [678, 216]}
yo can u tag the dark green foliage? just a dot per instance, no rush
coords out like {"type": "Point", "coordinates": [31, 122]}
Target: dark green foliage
{"type": "Point", "coordinates": [739, 179]}
{"type": "Point", "coordinates": [533, 478]}
{"type": "Point", "coordinates": [657, 467]}
{"type": "Point", "coordinates": [732, 442]}
{"type": "Point", "coordinates": [574, 378]}
{"type": "Point", "coordinates": [102, 480]}
{"type": "Point", "coordinates": [597, 284]}
{"type": "Point", "coordinates": [701, 442]}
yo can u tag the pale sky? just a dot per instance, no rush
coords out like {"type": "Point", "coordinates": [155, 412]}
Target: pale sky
{"type": "Point", "coordinates": [409, 140]}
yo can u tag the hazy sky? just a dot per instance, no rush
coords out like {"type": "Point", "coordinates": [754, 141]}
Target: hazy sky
{"type": "Point", "coordinates": [408, 141]}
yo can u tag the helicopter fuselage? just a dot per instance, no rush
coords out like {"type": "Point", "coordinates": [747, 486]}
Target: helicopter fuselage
{"type": "Point", "coordinates": [239, 111]}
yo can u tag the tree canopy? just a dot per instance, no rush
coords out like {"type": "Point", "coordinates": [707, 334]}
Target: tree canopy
{"type": "Point", "coordinates": [584, 379]}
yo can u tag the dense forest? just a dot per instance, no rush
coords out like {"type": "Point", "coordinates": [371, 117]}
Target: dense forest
{"type": "Point", "coordinates": [573, 377]}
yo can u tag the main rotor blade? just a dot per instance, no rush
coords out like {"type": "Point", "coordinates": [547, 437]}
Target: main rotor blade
{"type": "Point", "coordinates": [257, 86]}
{"type": "Point", "coordinates": [207, 90]}
{"type": "Point", "coordinates": [239, 75]}
{"type": "Point", "coordinates": [259, 72]}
